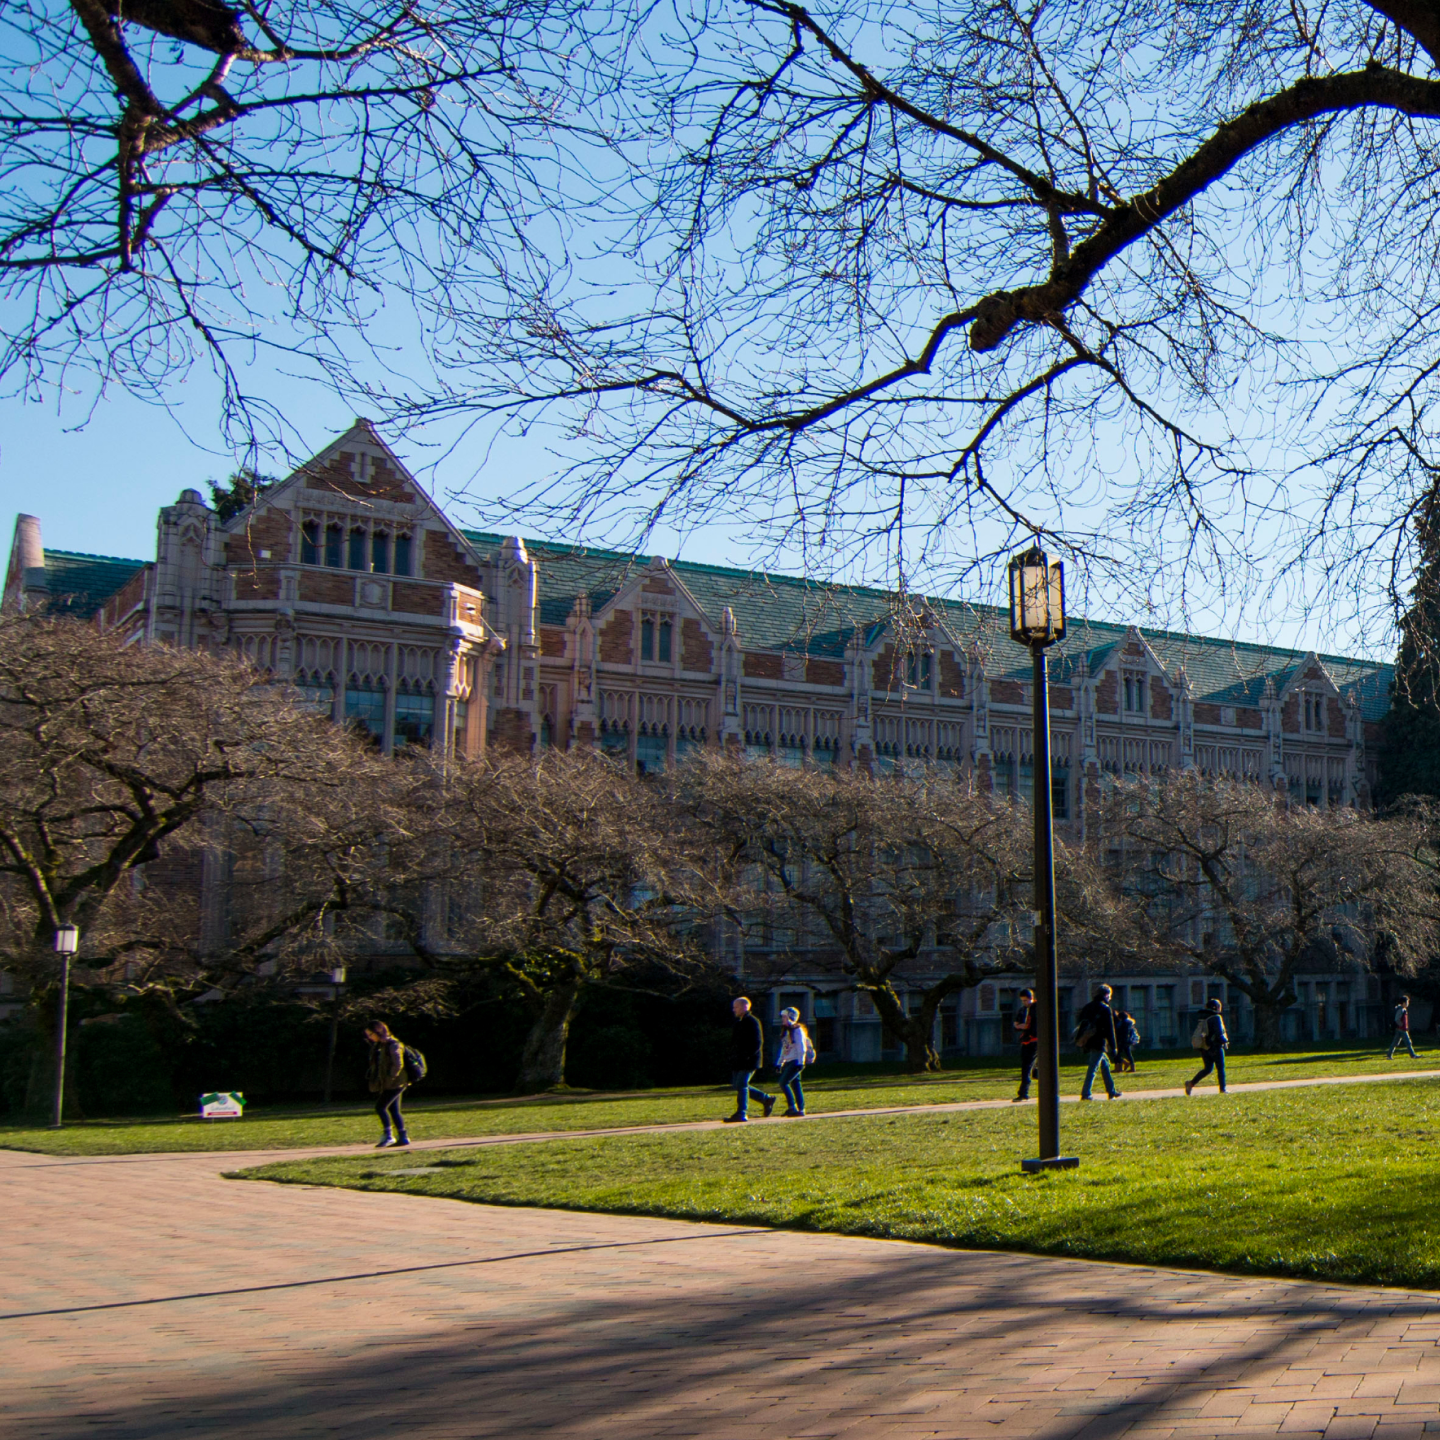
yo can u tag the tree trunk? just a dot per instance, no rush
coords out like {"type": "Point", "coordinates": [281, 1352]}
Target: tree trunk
{"type": "Point", "coordinates": [921, 1056]}
{"type": "Point", "coordinates": [1267, 1024]}
{"type": "Point", "coordinates": [914, 1032]}
{"type": "Point", "coordinates": [542, 1063]}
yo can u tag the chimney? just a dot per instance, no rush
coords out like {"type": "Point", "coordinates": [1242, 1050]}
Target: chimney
{"type": "Point", "coordinates": [27, 563]}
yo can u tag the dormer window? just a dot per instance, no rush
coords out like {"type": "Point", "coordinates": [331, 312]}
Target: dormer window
{"type": "Point", "coordinates": [402, 554]}
{"type": "Point", "coordinates": [917, 670]}
{"type": "Point", "coordinates": [1313, 709]}
{"type": "Point", "coordinates": [334, 538]}
{"type": "Point", "coordinates": [310, 542]}
{"type": "Point", "coordinates": [357, 549]}
{"type": "Point", "coordinates": [657, 639]}
{"type": "Point", "coordinates": [380, 552]}
{"type": "Point", "coordinates": [1134, 687]}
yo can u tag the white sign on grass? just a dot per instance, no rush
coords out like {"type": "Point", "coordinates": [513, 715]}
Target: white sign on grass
{"type": "Point", "coordinates": [222, 1105]}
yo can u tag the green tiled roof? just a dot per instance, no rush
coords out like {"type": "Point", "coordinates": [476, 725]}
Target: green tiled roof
{"type": "Point", "coordinates": [81, 583]}
{"type": "Point", "coordinates": [784, 612]}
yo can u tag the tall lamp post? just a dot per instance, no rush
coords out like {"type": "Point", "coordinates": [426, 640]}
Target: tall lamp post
{"type": "Point", "coordinates": [1037, 620]}
{"type": "Point", "coordinates": [67, 941]}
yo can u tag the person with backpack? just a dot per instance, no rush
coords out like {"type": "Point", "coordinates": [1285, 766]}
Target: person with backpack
{"type": "Point", "coordinates": [747, 1054]}
{"type": "Point", "coordinates": [1027, 1026]}
{"type": "Point", "coordinates": [1402, 1029]}
{"type": "Point", "coordinates": [1210, 1038]}
{"type": "Point", "coordinates": [1127, 1037]}
{"type": "Point", "coordinates": [1095, 1033]}
{"type": "Point", "coordinates": [796, 1052]}
{"type": "Point", "coordinates": [388, 1074]}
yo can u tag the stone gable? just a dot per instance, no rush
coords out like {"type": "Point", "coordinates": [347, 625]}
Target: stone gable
{"type": "Point", "coordinates": [337, 477]}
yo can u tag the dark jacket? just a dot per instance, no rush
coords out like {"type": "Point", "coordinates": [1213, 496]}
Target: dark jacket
{"type": "Point", "coordinates": [1098, 1018]}
{"type": "Point", "coordinates": [387, 1066]}
{"type": "Point", "coordinates": [1215, 1037]}
{"type": "Point", "coordinates": [747, 1043]}
{"type": "Point", "coordinates": [1027, 1022]}
{"type": "Point", "coordinates": [1124, 1026]}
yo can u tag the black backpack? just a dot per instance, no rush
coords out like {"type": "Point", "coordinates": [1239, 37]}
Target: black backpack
{"type": "Point", "coordinates": [415, 1066]}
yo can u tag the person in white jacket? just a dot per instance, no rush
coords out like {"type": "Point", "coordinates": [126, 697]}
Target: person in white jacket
{"type": "Point", "coordinates": [796, 1052]}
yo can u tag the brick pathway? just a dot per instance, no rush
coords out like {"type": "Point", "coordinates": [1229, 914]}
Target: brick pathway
{"type": "Point", "coordinates": [147, 1297]}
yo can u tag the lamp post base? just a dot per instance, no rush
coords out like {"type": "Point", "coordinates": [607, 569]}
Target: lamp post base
{"type": "Point", "coordinates": [1055, 1162]}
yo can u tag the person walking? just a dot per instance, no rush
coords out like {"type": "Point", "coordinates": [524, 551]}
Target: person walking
{"type": "Point", "coordinates": [386, 1075]}
{"type": "Point", "coordinates": [1027, 1026]}
{"type": "Point", "coordinates": [796, 1052]}
{"type": "Point", "coordinates": [1217, 1042]}
{"type": "Point", "coordinates": [747, 1054]}
{"type": "Point", "coordinates": [1127, 1037]}
{"type": "Point", "coordinates": [1095, 1033]}
{"type": "Point", "coordinates": [1402, 1029]}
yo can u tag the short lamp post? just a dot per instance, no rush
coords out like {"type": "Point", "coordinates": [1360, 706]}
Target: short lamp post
{"type": "Point", "coordinates": [67, 941]}
{"type": "Point", "coordinates": [337, 981]}
{"type": "Point", "coordinates": [1037, 620]}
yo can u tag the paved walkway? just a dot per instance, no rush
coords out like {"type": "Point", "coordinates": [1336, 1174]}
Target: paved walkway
{"type": "Point", "coordinates": [145, 1297]}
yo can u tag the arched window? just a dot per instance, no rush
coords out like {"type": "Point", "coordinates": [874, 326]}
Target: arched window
{"type": "Point", "coordinates": [310, 542]}
{"type": "Point", "coordinates": [357, 549]}
{"type": "Point", "coordinates": [647, 639]}
{"type": "Point", "coordinates": [380, 553]}
{"type": "Point", "coordinates": [402, 554]}
{"type": "Point", "coordinates": [334, 536]}
{"type": "Point", "coordinates": [666, 642]}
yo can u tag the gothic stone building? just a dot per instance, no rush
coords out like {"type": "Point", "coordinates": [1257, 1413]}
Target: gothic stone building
{"type": "Point", "coordinates": [347, 579]}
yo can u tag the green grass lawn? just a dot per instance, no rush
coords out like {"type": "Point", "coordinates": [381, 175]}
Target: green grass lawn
{"type": "Point", "coordinates": [1325, 1184]}
{"type": "Point", "coordinates": [296, 1127]}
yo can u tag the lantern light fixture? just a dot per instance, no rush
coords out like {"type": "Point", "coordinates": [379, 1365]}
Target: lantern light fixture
{"type": "Point", "coordinates": [1037, 599]}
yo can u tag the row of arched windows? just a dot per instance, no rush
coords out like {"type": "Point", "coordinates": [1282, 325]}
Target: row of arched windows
{"type": "Point", "coordinates": [372, 550]}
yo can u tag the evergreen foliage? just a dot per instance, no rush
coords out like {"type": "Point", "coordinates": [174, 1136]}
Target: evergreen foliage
{"type": "Point", "coordinates": [244, 486]}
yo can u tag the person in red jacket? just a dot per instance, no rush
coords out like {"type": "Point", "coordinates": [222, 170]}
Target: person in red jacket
{"type": "Point", "coordinates": [1402, 1029]}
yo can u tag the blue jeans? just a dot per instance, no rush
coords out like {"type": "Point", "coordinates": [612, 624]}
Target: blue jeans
{"type": "Point", "coordinates": [1214, 1060]}
{"type": "Point", "coordinates": [387, 1107]}
{"type": "Point", "coordinates": [790, 1084]}
{"type": "Point", "coordinates": [745, 1092]}
{"type": "Point", "coordinates": [1402, 1035]}
{"type": "Point", "coordinates": [1101, 1062]}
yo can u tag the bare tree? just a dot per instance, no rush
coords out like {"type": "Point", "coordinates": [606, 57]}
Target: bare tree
{"type": "Point", "coordinates": [1251, 888]}
{"type": "Point", "coordinates": [978, 268]}
{"type": "Point", "coordinates": [120, 770]}
{"type": "Point", "coordinates": [189, 179]}
{"type": "Point", "coordinates": [922, 885]}
{"type": "Point", "coordinates": [569, 872]}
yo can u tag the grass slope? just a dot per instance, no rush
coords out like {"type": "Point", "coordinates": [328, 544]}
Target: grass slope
{"type": "Point", "coordinates": [297, 1127]}
{"type": "Point", "coordinates": [1334, 1183]}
